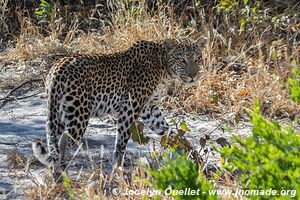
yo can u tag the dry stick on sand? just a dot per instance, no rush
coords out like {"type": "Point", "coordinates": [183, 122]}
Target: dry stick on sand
{"type": "Point", "coordinates": [9, 96]}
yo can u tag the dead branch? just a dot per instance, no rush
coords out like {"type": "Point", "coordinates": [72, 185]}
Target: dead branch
{"type": "Point", "coordinates": [10, 95]}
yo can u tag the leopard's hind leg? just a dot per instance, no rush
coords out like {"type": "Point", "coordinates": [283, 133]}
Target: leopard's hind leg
{"type": "Point", "coordinates": [75, 122]}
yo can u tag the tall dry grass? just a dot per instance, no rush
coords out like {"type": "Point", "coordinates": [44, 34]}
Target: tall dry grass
{"type": "Point", "coordinates": [219, 92]}
{"type": "Point", "coordinates": [238, 67]}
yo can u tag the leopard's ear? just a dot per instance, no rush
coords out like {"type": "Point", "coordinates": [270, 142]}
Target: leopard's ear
{"type": "Point", "coordinates": [170, 44]}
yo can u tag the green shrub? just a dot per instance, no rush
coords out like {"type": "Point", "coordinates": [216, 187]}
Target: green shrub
{"type": "Point", "coordinates": [268, 159]}
{"type": "Point", "coordinates": [180, 174]}
{"type": "Point", "coordinates": [67, 185]}
{"type": "Point", "coordinates": [44, 12]}
{"type": "Point", "coordinates": [293, 85]}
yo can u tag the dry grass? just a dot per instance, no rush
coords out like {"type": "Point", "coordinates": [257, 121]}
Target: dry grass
{"type": "Point", "coordinates": [88, 185]}
{"type": "Point", "coordinates": [224, 93]}
{"type": "Point", "coordinates": [232, 94]}
{"type": "Point", "coordinates": [16, 159]}
{"type": "Point", "coordinates": [218, 92]}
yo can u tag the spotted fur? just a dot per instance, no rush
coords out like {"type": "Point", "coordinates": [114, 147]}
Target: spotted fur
{"type": "Point", "coordinates": [128, 83]}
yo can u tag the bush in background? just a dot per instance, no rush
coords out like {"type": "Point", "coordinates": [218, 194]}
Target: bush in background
{"type": "Point", "coordinates": [180, 173]}
{"type": "Point", "coordinates": [269, 158]}
{"type": "Point", "coordinates": [293, 85]}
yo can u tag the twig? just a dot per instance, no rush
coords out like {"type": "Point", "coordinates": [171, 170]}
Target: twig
{"type": "Point", "coordinates": [18, 87]}
{"type": "Point", "coordinates": [9, 96]}
{"type": "Point", "coordinates": [28, 96]}
{"type": "Point", "coordinates": [9, 143]}
{"type": "Point", "coordinates": [219, 125]}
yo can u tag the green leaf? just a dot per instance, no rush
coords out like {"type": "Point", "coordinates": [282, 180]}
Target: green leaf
{"type": "Point", "coordinates": [172, 122]}
{"type": "Point", "coordinates": [227, 128]}
{"type": "Point", "coordinates": [254, 10]}
{"type": "Point", "coordinates": [39, 12]}
{"type": "Point", "coordinates": [137, 136]}
{"type": "Point", "coordinates": [184, 127]}
{"type": "Point", "coordinates": [227, 4]}
{"type": "Point", "coordinates": [216, 99]}
{"type": "Point", "coordinates": [164, 140]}
{"type": "Point", "coordinates": [44, 4]}
{"type": "Point", "coordinates": [243, 25]}
{"type": "Point", "coordinates": [67, 185]}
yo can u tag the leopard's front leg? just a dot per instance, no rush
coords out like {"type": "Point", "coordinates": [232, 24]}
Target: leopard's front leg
{"type": "Point", "coordinates": [153, 117]}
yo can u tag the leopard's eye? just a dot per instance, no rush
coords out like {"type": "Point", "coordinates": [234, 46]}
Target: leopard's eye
{"type": "Point", "coordinates": [182, 60]}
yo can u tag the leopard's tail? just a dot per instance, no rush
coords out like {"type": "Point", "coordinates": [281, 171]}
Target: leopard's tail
{"type": "Point", "coordinates": [50, 155]}
{"type": "Point", "coordinates": [40, 152]}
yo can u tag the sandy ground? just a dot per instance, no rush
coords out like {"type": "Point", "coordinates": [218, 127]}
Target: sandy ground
{"type": "Point", "coordinates": [23, 121]}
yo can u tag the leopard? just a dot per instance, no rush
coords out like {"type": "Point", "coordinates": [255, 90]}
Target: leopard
{"type": "Point", "coordinates": [128, 84]}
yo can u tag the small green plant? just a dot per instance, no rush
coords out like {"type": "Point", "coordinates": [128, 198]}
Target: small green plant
{"type": "Point", "coordinates": [178, 175]}
{"type": "Point", "coordinates": [227, 4]}
{"type": "Point", "coordinates": [44, 12]}
{"type": "Point", "coordinates": [67, 185]}
{"type": "Point", "coordinates": [243, 10]}
{"type": "Point", "coordinates": [293, 85]}
{"type": "Point", "coordinates": [136, 130]}
{"type": "Point", "coordinates": [268, 159]}
{"type": "Point", "coordinates": [179, 141]}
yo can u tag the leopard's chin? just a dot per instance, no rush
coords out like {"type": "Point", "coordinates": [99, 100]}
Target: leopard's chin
{"type": "Point", "coordinates": [189, 83]}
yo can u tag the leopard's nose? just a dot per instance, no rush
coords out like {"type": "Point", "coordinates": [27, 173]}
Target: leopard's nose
{"type": "Point", "coordinates": [192, 68]}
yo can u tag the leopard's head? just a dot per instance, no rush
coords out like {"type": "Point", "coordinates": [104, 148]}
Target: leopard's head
{"type": "Point", "coordinates": [184, 59]}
